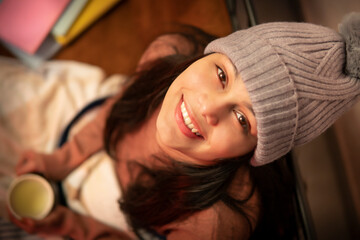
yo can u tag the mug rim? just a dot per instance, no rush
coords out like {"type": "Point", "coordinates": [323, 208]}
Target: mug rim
{"type": "Point", "coordinates": [45, 183]}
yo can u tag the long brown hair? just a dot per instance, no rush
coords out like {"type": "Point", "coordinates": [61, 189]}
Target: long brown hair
{"type": "Point", "coordinates": [161, 195]}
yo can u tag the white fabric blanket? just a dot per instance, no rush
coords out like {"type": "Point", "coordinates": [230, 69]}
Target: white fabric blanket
{"type": "Point", "coordinates": [36, 105]}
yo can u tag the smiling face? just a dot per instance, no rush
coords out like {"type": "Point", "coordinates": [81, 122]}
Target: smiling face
{"type": "Point", "coordinates": [206, 114]}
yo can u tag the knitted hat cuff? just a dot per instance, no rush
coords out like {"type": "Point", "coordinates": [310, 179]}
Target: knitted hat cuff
{"type": "Point", "coordinates": [271, 89]}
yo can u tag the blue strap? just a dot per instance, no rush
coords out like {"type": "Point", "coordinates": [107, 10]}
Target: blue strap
{"type": "Point", "coordinates": [91, 105]}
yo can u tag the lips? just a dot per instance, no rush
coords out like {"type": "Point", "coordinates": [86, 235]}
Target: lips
{"type": "Point", "coordinates": [184, 121]}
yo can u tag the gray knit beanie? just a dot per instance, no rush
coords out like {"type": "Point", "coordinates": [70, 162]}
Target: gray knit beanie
{"type": "Point", "coordinates": [298, 78]}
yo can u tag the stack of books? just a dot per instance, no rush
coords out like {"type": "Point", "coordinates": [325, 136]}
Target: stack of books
{"type": "Point", "coordinates": [35, 30]}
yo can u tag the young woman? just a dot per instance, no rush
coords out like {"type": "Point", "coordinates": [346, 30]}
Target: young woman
{"type": "Point", "coordinates": [183, 135]}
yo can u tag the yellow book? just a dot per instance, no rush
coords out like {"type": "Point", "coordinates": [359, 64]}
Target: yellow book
{"type": "Point", "coordinates": [92, 11]}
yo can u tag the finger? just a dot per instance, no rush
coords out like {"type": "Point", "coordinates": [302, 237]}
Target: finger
{"type": "Point", "coordinates": [54, 216]}
{"type": "Point", "coordinates": [25, 166]}
{"type": "Point", "coordinates": [30, 223]}
{"type": "Point", "coordinates": [25, 223]}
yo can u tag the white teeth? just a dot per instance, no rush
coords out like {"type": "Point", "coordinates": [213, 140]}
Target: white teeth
{"type": "Point", "coordinates": [187, 120]}
{"type": "Point", "coordinates": [194, 130]}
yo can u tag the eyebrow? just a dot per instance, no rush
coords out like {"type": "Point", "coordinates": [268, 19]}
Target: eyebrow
{"type": "Point", "coordinates": [250, 108]}
{"type": "Point", "coordinates": [234, 68]}
{"type": "Point", "coordinates": [236, 73]}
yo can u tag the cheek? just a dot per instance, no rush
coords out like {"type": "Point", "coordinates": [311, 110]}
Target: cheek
{"type": "Point", "coordinates": [162, 125]}
{"type": "Point", "coordinates": [226, 144]}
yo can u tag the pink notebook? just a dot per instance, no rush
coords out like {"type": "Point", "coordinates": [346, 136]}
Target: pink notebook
{"type": "Point", "coordinates": [26, 23]}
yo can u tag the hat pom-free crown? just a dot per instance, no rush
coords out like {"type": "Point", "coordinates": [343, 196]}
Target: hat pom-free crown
{"type": "Point", "coordinates": [350, 30]}
{"type": "Point", "coordinates": [294, 74]}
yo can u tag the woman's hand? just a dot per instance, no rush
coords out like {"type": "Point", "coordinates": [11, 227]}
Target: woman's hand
{"type": "Point", "coordinates": [50, 225]}
{"type": "Point", "coordinates": [64, 222]}
{"type": "Point", "coordinates": [27, 164]}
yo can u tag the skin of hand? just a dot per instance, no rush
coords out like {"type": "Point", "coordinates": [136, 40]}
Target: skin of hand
{"type": "Point", "coordinates": [28, 163]}
{"type": "Point", "coordinates": [64, 222]}
{"type": "Point", "coordinates": [25, 166]}
{"type": "Point", "coordinates": [48, 225]}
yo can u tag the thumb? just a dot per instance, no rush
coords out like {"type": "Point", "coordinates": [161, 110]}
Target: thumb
{"type": "Point", "coordinates": [25, 165]}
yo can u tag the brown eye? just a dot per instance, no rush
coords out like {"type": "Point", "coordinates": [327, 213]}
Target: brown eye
{"type": "Point", "coordinates": [222, 77]}
{"type": "Point", "coordinates": [242, 120]}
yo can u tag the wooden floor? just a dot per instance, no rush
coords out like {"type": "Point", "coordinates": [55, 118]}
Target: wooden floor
{"type": "Point", "coordinates": [116, 42]}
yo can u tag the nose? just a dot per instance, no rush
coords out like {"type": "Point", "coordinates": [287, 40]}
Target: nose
{"type": "Point", "coordinates": [212, 108]}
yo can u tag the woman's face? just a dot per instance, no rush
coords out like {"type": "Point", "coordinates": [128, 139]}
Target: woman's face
{"type": "Point", "coordinates": [206, 114]}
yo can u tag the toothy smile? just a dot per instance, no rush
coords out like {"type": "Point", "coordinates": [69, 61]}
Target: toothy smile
{"type": "Point", "coordinates": [187, 120]}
